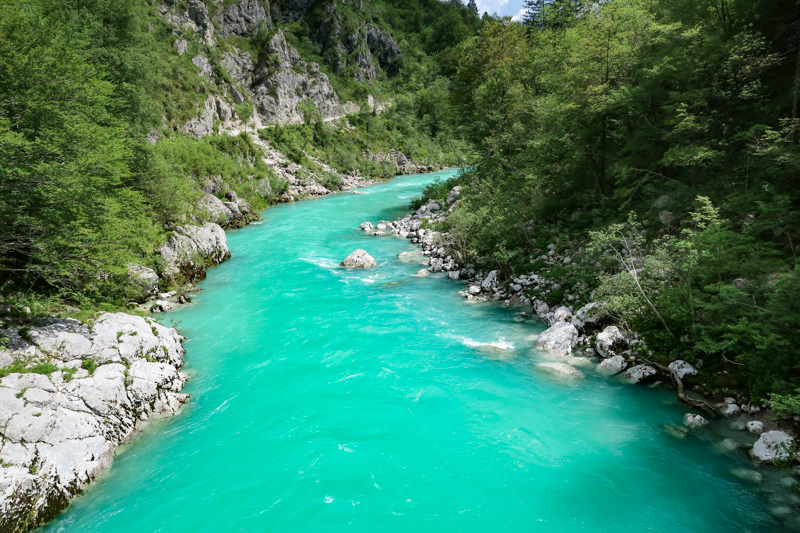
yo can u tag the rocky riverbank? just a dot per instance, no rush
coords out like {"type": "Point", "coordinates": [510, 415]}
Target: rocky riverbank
{"type": "Point", "coordinates": [76, 392]}
{"type": "Point", "coordinates": [72, 392]}
{"type": "Point", "coordinates": [586, 336]}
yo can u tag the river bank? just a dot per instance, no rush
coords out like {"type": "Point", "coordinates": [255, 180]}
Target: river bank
{"type": "Point", "coordinates": [377, 399]}
{"type": "Point", "coordinates": [72, 392]}
{"type": "Point", "coordinates": [769, 440]}
{"type": "Point", "coordinates": [302, 405]}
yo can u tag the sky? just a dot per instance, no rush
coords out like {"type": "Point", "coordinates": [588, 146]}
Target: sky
{"type": "Point", "coordinates": [511, 8]}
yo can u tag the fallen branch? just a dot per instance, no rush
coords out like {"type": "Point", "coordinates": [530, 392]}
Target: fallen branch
{"type": "Point", "coordinates": [726, 360]}
{"type": "Point", "coordinates": [684, 399]}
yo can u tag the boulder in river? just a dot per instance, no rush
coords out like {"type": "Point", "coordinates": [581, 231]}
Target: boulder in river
{"type": "Point", "coordinates": [358, 259]}
{"type": "Point", "coordinates": [640, 373]}
{"type": "Point", "coordinates": [756, 427]}
{"type": "Point", "coordinates": [694, 421]}
{"type": "Point", "coordinates": [560, 338]}
{"type": "Point", "coordinates": [608, 341]}
{"type": "Point", "coordinates": [772, 445]}
{"type": "Point", "coordinates": [729, 410]}
{"type": "Point", "coordinates": [613, 365]}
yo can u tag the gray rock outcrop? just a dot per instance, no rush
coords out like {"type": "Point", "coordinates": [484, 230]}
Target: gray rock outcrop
{"type": "Point", "coordinates": [59, 431]}
{"type": "Point", "coordinates": [195, 17]}
{"type": "Point", "coordinates": [190, 249]}
{"type": "Point", "coordinates": [144, 281]}
{"type": "Point", "coordinates": [560, 339]}
{"type": "Point", "coordinates": [367, 48]}
{"type": "Point", "coordinates": [242, 19]}
{"type": "Point", "coordinates": [358, 259]}
{"type": "Point", "coordinates": [283, 81]}
{"type": "Point", "coordinates": [612, 365]}
{"type": "Point", "coordinates": [214, 108]}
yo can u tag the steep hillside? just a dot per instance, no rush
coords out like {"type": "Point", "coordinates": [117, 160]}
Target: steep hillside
{"type": "Point", "coordinates": [133, 121]}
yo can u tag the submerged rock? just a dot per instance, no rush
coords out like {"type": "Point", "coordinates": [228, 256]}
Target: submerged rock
{"type": "Point", "coordinates": [748, 474]}
{"type": "Point", "coordinates": [560, 369]}
{"type": "Point", "coordinates": [679, 432]}
{"type": "Point", "coordinates": [358, 259]}
{"type": "Point", "coordinates": [560, 338]}
{"type": "Point", "coordinates": [694, 421]}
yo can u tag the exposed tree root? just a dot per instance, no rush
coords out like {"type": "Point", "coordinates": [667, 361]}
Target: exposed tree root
{"type": "Point", "coordinates": [690, 402]}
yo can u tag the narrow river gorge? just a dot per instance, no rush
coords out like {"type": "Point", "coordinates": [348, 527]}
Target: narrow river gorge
{"type": "Point", "coordinates": [325, 399]}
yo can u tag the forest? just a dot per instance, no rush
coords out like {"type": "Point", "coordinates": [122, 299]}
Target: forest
{"type": "Point", "coordinates": [655, 140]}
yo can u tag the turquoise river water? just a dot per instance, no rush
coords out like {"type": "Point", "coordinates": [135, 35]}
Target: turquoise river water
{"type": "Point", "coordinates": [328, 400]}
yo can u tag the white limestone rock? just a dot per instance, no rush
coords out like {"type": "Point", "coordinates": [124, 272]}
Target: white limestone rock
{"type": "Point", "coordinates": [541, 308]}
{"type": "Point", "coordinates": [640, 373]}
{"type": "Point", "coordinates": [590, 313]}
{"type": "Point", "coordinates": [612, 365]}
{"type": "Point", "coordinates": [729, 410]}
{"type": "Point", "coordinates": [358, 259]}
{"type": "Point", "coordinates": [562, 314]}
{"type": "Point", "coordinates": [755, 427]}
{"type": "Point", "coordinates": [486, 285]}
{"type": "Point", "coordinates": [772, 445]}
{"type": "Point", "coordinates": [682, 368]}
{"type": "Point", "coordinates": [144, 280]}
{"type": "Point", "coordinates": [560, 339]}
{"type": "Point", "coordinates": [694, 421]}
{"type": "Point", "coordinates": [188, 244]}
{"type": "Point", "coordinates": [58, 432]}
{"type": "Point", "coordinates": [609, 340]}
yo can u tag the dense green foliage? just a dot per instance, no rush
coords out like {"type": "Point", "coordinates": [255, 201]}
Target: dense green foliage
{"type": "Point", "coordinates": [656, 142]}
{"type": "Point", "coordinates": [84, 194]}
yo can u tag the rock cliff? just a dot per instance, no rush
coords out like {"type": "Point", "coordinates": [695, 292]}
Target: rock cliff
{"type": "Point", "coordinates": [60, 429]}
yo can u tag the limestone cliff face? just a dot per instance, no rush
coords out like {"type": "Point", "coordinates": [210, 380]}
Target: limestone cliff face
{"type": "Point", "coordinates": [284, 80]}
{"type": "Point", "coordinates": [366, 48]}
{"type": "Point", "coordinates": [278, 81]}
{"type": "Point", "coordinates": [195, 17]}
{"type": "Point", "coordinates": [243, 19]}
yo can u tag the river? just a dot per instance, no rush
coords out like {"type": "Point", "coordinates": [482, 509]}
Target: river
{"type": "Point", "coordinates": [332, 400]}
